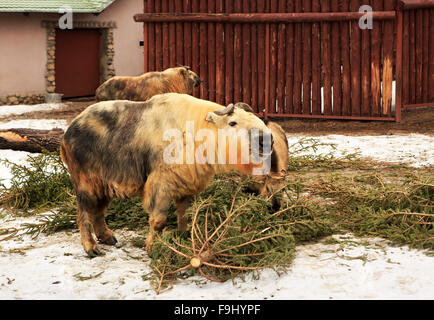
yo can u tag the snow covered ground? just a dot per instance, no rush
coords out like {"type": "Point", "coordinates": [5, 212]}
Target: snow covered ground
{"type": "Point", "coordinates": [56, 267]}
{"type": "Point", "coordinates": [416, 150]}
{"type": "Point", "coordinates": [37, 124]}
{"type": "Point", "coordinates": [23, 109]}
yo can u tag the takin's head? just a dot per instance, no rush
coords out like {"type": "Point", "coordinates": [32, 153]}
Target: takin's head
{"type": "Point", "coordinates": [193, 80]}
{"type": "Point", "coordinates": [250, 130]}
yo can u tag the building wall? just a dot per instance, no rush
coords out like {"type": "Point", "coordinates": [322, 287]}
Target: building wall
{"type": "Point", "coordinates": [127, 36]}
{"type": "Point", "coordinates": [23, 46]}
{"type": "Point", "coordinates": [22, 54]}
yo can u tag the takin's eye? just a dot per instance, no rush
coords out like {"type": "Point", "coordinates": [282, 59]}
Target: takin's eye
{"type": "Point", "coordinates": [232, 123]}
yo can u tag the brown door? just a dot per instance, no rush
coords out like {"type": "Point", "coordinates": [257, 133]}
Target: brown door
{"type": "Point", "coordinates": [77, 62]}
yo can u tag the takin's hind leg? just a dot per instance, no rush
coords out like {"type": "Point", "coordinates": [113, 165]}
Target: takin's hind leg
{"type": "Point", "coordinates": [90, 210]}
{"type": "Point", "coordinates": [102, 232]}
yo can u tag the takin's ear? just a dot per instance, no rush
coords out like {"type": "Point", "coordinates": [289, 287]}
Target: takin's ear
{"type": "Point", "coordinates": [210, 117]}
{"type": "Point", "coordinates": [184, 72]}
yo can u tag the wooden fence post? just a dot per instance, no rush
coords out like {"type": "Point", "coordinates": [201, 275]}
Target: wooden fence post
{"type": "Point", "coordinates": [398, 93]}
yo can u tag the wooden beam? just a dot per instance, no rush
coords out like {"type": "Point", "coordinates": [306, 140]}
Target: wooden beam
{"type": "Point", "coordinates": [418, 105]}
{"type": "Point", "coordinates": [330, 117]}
{"type": "Point", "coordinates": [416, 4]}
{"type": "Point", "coordinates": [260, 17]}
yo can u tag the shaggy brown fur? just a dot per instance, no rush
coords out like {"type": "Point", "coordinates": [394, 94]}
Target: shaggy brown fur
{"type": "Point", "coordinates": [144, 87]}
{"type": "Point", "coordinates": [116, 148]}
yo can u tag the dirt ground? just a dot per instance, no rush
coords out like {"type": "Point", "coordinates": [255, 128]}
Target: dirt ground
{"type": "Point", "coordinates": [413, 121]}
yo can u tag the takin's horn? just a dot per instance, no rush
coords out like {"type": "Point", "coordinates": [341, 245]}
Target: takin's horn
{"type": "Point", "coordinates": [244, 106]}
{"type": "Point", "coordinates": [182, 66]}
{"type": "Point", "coordinates": [229, 110]}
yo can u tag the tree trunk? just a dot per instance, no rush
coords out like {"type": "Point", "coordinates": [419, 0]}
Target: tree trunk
{"type": "Point", "coordinates": [30, 140]}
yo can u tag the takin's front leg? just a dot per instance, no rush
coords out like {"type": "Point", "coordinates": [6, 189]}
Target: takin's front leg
{"type": "Point", "coordinates": [156, 202]}
{"type": "Point", "coordinates": [181, 206]}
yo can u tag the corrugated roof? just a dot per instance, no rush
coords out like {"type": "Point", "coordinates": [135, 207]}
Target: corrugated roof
{"type": "Point", "coordinates": [78, 6]}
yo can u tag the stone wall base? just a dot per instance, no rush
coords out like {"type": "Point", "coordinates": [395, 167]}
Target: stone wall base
{"type": "Point", "coordinates": [27, 99]}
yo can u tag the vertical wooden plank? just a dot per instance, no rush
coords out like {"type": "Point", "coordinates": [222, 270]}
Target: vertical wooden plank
{"type": "Point", "coordinates": [366, 72]}
{"type": "Point", "coordinates": [289, 107]}
{"type": "Point", "coordinates": [281, 60]}
{"type": "Point", "coordinates": [388, 45]}
{"type": "Point", "coordinates": [267, 71]}
{"type": "Point", "coordinates": [336, 63]}
{"type": "Point", "coordinates": [203, 29]}
{"type": "Point", "coordinates": [220, 59]}
{"type": "Point", "coordinates": [151, 38]}
{"type": "Point", "coordinates": [273, 59]}
{"type": "Point", "coordinates": [316, 62]}
{"type": "Point", "coordinates": [426, 62]}
{"type": "Point", "coordinates": [377, 39]}
{"type": "Point", "coordinates": [229, 54]}
{"type": "Point", "coordinates": [307, 60]}
{"type": "Point", "coordinates": [158, 40]}
{"type": "Point", "coordinates": [212, 53]}
{"type": "Point", "coordinates": [180, 41]}
{"type": "Point", "coordinates": [431, 56]}
{"type": "Point", "coordinates": [195, 50]}
{"type": "Point", "coordinates": [254, 60]}
{"type": "Point", "coordinates": [419, 46]}
{"type": "Point", "coordinates": [355, 61]}
{"type": "Point", "coordinates": [145, 40]}
{"type": "Point", "coordinates": [267, 64]}
{"type": "Point", "coordinates": [405, 59]}
{"type": "Point", "coordinates": [326, 60]}
{"type": "Point", "coordinates": [246, 65]}
{"type": "Point", "coordinates": [345, 56]}
{"type": "Point", "coordinates": [399, 35]}
{"type": "Point", "coordinates": [172, 37]}
{"type": "Point", "coordinates": [166, 37]}
{"type": "Point", "coordinates": [412, 71]}
{"type": "Point", "coordinates": [238, 55]}
{"type": "Point", "coordinates": [298, 61]}
{"type": "Point", "coordinates": [260, 8]}
{"type": "Point", "coordinates": [187, 36]}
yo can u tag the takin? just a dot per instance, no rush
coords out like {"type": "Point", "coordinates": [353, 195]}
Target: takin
{"type": "Point", "coordinates": [123, 149]}
{"type": "Point", "coordinates": [144, 87]}
{"type": "Point", "coordinates": [273, 181]}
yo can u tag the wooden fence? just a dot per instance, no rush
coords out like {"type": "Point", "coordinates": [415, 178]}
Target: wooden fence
{"type": "Point", "coordinates": [417, 45]}
{"type": "Point", "coordinates": [296, 58]}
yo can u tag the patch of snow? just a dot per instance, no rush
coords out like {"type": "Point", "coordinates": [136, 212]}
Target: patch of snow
{"type": "Point", "coordinates": [17, 157]}
{"type": "Point", "coordinates": [415, 150]}
{"type": "Point", "coordinates": [22, 109]}
{"type": "Point", "coordinates": [58, 268]}
{"type": "Point", "coordinates": [37, 124]}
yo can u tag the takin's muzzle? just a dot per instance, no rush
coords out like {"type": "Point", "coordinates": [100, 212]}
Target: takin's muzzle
{"type": "Point", "coordinates": [262, 143]}
{"type": "Point", "coordinates": [197, 81]}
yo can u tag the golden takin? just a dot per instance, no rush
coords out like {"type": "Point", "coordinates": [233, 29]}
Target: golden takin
{"type": "Point", "coordinates": [275, 179]}
{"type": "Point", "coordinates": [144, 87]}
{"type": "Point", "coordinates": [124, 149]}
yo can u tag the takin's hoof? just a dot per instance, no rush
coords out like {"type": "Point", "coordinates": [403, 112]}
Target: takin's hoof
{"type": "Point", "coordinates": [110, 241]}
{"type": "Point", "coordinates": [93, 253]}
{"type": "Point", "coordinates": [149, 242]}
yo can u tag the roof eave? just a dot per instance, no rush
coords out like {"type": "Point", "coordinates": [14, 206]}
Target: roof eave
{"type": "Point", "coordinates": [56, 10]}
